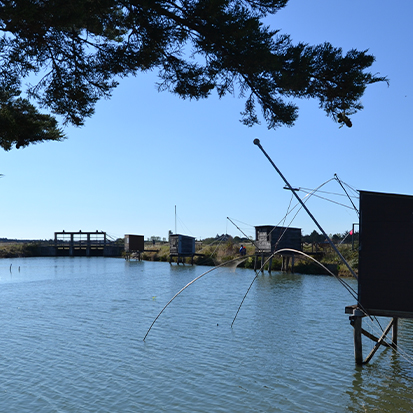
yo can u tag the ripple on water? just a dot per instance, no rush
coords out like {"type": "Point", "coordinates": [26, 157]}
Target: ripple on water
{"type": "Point", "coordinates": [72, 333]}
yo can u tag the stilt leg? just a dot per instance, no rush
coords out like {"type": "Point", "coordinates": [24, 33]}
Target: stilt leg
{"type": "Point", "coordinates": [395, 331]}
{"type": "Point", "coordinates": [358, 348]}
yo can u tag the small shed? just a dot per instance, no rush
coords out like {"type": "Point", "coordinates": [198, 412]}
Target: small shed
{"type": "Point", "coordinates": [270, 238]}
{"type": "Point", "coordinates": [134, 243]}
{"type": "Point", "coordinates": [181, 246]}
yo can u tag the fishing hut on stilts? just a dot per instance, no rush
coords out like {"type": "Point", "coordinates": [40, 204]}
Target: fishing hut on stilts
{"type": "Point", "coordinates": [385, 279]}
{"type": "Point", "coordinates": [385, 282]}
{"type": "Point", "coordinates": [180, 247]}
{"type": "Point", "coordinates": [134, 245]}
{"type": "Point", "coordinates": [270, 238]}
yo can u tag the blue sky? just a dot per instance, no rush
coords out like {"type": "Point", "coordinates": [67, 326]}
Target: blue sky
{"type": "Point", "coordinates": [143, 152]}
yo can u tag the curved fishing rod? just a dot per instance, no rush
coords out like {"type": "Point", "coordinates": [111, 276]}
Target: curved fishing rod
{"type": "Point", "coordinates": [191, 282]}
{"type": "Point", "coordinates": [342, 282]}
{"type": "Point", "coordinates": [257, 142]}
{"type": "Point", "coordinates": [313, 191]}
{"type": "Point", "coordinates": [308, 195]}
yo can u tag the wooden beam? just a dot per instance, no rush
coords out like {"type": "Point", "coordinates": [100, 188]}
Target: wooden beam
{"type": "Point", "coordinates": [370, 336]}
{"type": "Point", "coordinates": [379, 342]}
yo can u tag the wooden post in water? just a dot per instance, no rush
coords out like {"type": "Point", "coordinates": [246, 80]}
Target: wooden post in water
{"type": "Point", "coordinates": [358, 347]}
{"type": "Point", "coordinates": [269, 265]}
{"type": "Point", "coordinates": [395, 331]}
{"type": "Point", "coordinates": [285, 263]}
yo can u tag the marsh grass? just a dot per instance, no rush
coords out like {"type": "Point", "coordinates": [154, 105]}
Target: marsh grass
{"type": "Point", "coordinates": [211, 255]}
{"type": "Point", "coordinates": [220, 253]}
{"type": "Point", "coordinates": [15, 250]}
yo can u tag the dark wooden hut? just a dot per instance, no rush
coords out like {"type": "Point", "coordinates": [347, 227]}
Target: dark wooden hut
{"type": "Point", "coordinates": [270, 238]}
{"type": "Point", "coordinates": [134, 243]}
{"type": "Point", "coordinates": [385, 279]}
{"type": "Point", "coordinates": [181, 246]}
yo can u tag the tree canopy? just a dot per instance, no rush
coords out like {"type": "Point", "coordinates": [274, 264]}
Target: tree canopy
{"type": "Point", "coordinates": [80, 49]}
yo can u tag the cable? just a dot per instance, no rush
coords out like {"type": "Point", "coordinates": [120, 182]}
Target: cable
{"type": "Point", "coordinates": [326, 192]}
{"type": "Point", "coordinates": [344, 189]}
{"type": "Point", "coordinates": [333, 202]}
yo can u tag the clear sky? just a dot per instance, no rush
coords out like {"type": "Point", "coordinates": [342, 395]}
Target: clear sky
{"type": "Point", "coordinates": [144, 152]}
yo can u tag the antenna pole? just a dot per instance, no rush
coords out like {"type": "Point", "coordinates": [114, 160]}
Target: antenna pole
{"type": "Point", "coordinates": [257, 142]}
{"type": "Point", "coordinates": [175, 219]}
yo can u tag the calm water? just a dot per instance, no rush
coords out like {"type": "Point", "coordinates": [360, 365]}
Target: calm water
{"type": "Point", "coordinates": [72, 331]}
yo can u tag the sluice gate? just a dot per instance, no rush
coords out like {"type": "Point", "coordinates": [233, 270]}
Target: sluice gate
{"type": "Point", "coordinates": [84, 244]}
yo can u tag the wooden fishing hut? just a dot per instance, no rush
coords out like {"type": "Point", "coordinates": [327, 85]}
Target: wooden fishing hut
{"type": "Point", "coordinates": [134, 244]}
{"type": "Point", "coordinates": [181, 246]}
{"type": "Point", "coordinates": [270, 238]}
{"type": "Point", "coordinates": [385, 278]}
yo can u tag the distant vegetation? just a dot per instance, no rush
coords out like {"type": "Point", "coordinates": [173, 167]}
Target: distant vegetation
{"type": "Point", "coordinates": [16, 248]}
{"type": "Point", "coordinates": [223, 248]}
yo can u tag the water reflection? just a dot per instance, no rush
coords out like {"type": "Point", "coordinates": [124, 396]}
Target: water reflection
{"type": "Point", "coordinates": [384, 384]}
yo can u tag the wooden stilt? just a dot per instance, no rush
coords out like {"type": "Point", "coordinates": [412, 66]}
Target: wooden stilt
{"type": "Point", "coordinates": [369, 335]}
{"type": "Point", "coordinates": [355, 321]}
{"type": "Point", "coordinates": [287, 263]}
{"type": "Point", "coordinates": [292, 264]}
{"type": "Point", "coordinates": [395, 331]}
{"type": "Point", "coordinates": [381, 339]}
{"type": "Point", "coordinates": [358, 347]}
{"type": "Point", "coordinates": [269, 265]}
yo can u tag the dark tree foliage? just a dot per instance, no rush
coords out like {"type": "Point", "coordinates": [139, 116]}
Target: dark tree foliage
{"type": "Point", "coordinates": [21, 124]}
{"type": "Point", "coordinates": [79, 49]}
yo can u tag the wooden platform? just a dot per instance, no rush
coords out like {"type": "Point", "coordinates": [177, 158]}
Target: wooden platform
{"type": "Point", "coordinates": [356, 317]}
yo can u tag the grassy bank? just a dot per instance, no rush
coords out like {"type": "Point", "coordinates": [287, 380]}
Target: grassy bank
{"type": "Point", "coordinates": [219, 253]}
{"type": "Point", "coordinates": [216, 254]}
{"type": "Point", "coordinates": [19, 249]}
